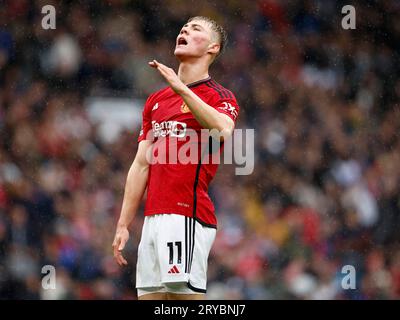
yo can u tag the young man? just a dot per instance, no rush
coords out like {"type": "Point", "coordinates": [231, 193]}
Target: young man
{"type": "Point", "coordinates": [180, 223]}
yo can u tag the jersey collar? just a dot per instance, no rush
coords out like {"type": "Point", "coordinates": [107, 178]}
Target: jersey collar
{"type": "Point", "coordinates": [196, 83]}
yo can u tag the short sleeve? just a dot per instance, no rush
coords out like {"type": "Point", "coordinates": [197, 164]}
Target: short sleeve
{"type": "Point", "coordinates": [146, 122]}
{"type": "Point", "coordinates": [228, 105]}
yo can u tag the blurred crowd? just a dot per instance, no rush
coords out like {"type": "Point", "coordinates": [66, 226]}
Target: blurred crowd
{"type": "Point", "coordinates": [324, 103]}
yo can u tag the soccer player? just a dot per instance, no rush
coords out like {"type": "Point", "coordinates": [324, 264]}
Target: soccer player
{"type": "Point", "coordinates": [180, 224]}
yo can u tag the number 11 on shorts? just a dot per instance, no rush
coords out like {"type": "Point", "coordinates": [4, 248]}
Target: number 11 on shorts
{"type": "Point", "coordinates": [178, 245]}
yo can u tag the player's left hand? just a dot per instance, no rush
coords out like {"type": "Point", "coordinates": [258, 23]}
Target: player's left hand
{"type": "Point", "coordinates": [169, 74]}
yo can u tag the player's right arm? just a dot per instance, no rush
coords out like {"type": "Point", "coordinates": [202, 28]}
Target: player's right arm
{"type": "Point", "coordinates": [134, 189]}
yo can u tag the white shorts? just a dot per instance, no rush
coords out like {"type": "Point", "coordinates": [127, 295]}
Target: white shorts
{"type": "Point", "coordinates": [173, 254]}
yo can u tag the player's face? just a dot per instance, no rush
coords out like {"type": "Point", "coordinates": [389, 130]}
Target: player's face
{"type": "Point", "coordinates": [193, 40]}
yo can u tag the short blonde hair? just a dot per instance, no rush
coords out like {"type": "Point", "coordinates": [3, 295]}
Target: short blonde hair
{"type": "Point", "coordinates": [218, 29]}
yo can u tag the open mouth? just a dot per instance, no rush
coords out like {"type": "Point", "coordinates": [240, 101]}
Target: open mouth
{"type": "Point", "coordinates": [182, 41]}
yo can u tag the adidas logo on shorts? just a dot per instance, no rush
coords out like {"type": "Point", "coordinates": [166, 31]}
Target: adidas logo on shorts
{"type": "Point", "coordinates": [174, 269]}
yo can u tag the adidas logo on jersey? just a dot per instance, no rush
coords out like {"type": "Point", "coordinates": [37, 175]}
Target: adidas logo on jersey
{"type": "Point", "coordinates": [155, 107]}
{"type": "Point", "coordinates": [174, 269]}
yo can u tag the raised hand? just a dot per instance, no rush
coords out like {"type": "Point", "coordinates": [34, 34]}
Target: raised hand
{"type": "Point", "coordinates": [169, 75]}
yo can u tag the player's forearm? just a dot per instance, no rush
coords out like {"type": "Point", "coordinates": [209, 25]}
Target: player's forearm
{"type": "Point", "coordinates": [207, 116]}
{"type": "Point", "coordinates": [134, 190]}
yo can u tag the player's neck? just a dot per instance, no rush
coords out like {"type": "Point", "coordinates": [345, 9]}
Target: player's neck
{"type": "Point", "coordinates": [190, 72]}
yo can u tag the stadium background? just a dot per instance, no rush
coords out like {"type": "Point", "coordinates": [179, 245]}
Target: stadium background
{"type": "Point", "coordinates": [324, 103]}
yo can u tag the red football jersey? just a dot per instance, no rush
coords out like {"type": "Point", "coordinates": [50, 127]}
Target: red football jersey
{"type": "Point", "coordinates": [173, 186]}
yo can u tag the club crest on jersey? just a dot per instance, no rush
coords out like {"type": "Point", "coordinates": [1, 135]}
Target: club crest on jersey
{"type": "Point", "coordinates": [184, 108]}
